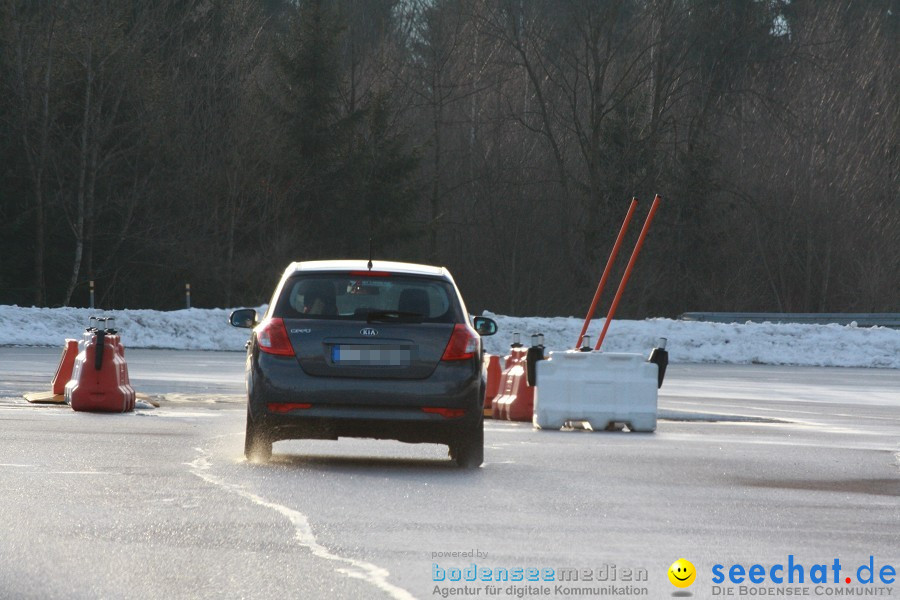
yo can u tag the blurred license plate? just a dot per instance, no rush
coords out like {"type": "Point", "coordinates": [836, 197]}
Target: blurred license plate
{"type": "Point", "coordinates": [370, 355]}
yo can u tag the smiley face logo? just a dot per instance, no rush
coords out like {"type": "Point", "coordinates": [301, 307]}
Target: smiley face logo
{"type": "Point", "coordinates": [682, 573]}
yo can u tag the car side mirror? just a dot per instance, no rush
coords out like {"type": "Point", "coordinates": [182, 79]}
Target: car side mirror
{"type": "Point", "coordinates": [485, 326]}
{"type": "Point", "coordinates": [243, 317]}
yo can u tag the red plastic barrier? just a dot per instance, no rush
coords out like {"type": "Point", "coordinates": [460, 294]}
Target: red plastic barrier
{"type": "Point", "coordinates": [123, 375]}
{"type": "Point", "coordinates": [66, 364]}
{"type": "Point", "coordinates": [515, 401]}
{"type": "Point", "coordinates": [106, 389]}
{"type": "Point", "coordinates": [492, 366]}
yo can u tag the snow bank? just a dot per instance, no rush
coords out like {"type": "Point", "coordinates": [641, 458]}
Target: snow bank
{"type": "Point", "coordinates": [688, 342]}
{"type": "Point", "coordinates": [187, 329]}
{"type": "Point", "coordinates": [696, 342]}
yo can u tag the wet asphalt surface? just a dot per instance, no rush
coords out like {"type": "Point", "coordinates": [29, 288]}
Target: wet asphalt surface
{"type": "Point", "coordinates": [750, 464]}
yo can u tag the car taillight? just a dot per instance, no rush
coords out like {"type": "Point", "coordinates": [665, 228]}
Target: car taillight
{"type": "Point", "coordinates": [447, 413]}
{"type": "Point", "coordinates": [272, 337]}
{"type": "Point", "coordinates": [370, 273]}
{"type": "Point", "coordinates": [463, 343]}
{"type": "Point", "coordinates": [286, 407]}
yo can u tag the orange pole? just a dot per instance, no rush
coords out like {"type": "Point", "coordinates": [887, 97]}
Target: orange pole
{"type": "Point", "coordinates": [606, 271]}
{"type": "Point", "coordinates": [631, 261]}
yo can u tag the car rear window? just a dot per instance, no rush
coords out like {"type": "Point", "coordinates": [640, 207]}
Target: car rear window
{"type": "Point", "coordinates": [346, 296]}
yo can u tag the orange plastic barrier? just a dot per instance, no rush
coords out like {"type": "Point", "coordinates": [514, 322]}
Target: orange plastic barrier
{"type": "Point", "coordinates": [100, 385]}
{"type": "Point", "coordinates": [66, 364]}
{"type": "Point", "coordinates": [515, 401]}
{"type": "Point", "coordinates": [492, 387]}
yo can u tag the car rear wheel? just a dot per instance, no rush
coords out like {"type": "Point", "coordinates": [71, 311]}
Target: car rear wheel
{"type": "Point", "coordinates": [257, 443]}
{"type": "Point", "coordinates": [468, 449]}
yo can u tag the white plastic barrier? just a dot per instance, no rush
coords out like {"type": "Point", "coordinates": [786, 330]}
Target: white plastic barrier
{"type": "Point", "coordinates": [597, 387]}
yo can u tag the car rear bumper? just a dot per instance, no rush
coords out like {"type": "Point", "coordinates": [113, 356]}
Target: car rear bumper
{"type": "Point", "coordinates": [435, 430]}
{"type": "Point", "coordinates": [333, 407]}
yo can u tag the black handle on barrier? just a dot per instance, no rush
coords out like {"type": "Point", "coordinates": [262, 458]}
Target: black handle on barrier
{"type": "Point", "coordinates": [98, 349]}
{"type": "Point", "coordinates": [534, 354]}
{"type": "Point", "coordinates": [660, 357]}
{"type": "Point", "coordinates": [94, 326]}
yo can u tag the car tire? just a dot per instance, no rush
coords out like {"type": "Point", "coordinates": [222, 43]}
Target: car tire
{"type": "Point", "coordinates": [257, 443]}
{"type": "Point", "coordinates": [468, 449]}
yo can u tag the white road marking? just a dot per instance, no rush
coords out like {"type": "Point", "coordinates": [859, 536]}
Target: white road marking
{"type": "Point", "coordinates": [80, 473]}
{"type": "Point", "coordinates": [39, 472]}
{"type": "Point", "coordinates": [178, 414]}
{"type": "Point", "coordinates": [358, 569]}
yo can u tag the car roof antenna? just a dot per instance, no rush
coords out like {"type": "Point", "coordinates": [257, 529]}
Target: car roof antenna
{"type": "Point", "coordinates": [370, 254]}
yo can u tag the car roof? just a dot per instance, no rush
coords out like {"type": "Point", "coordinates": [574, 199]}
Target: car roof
{"type": "Point", "coordinates": [363, 265]}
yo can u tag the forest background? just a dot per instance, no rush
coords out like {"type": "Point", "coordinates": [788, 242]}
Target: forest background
{"type": "Point", "coordinates": [145, 144]}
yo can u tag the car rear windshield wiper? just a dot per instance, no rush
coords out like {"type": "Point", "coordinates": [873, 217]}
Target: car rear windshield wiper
{"type": "Point", "coordinates": [380, 316]}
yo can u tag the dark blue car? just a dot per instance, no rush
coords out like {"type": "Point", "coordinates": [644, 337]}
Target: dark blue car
{"type": "Point", "coordinates": [351, 349]}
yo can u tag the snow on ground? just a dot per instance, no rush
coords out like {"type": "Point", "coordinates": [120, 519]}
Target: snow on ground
{"type": "Point", "coordinates": [688, 342]}
{"type": "Point", "coordinates": [736, 343]}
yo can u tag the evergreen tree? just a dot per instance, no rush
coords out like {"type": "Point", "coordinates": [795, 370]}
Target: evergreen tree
{"type": "Point", "coordinates": [345, 165]}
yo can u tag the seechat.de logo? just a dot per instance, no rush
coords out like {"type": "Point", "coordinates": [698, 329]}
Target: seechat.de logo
{"type": "Point", "coordinates": [798, 572]}
{"type": "Point", "coordinates": [682, 573]}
